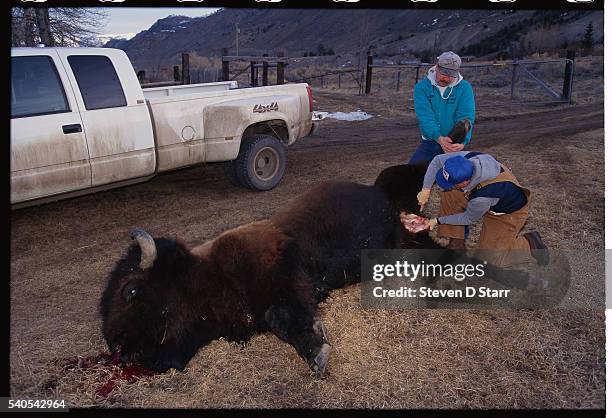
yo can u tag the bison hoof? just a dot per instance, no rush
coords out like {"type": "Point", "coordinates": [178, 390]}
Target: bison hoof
{"type": "Point", "coordinates": [320, 330]}
{"type": "Point", "coordinates": [319, 363]}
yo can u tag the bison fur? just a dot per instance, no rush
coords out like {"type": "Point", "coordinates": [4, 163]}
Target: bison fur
{"type": "Point", "coordinates": [266, 276]}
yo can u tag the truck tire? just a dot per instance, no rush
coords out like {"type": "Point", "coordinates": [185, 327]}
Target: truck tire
{"type": "Point", "coordinates": [261, 162]}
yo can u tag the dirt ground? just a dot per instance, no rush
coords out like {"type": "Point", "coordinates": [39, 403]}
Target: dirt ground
{"type": "Point", "coordinates": [62, 252]}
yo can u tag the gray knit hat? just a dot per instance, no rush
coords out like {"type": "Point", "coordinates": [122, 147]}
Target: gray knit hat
{"type": "Point", "coordinates": [449, 63]}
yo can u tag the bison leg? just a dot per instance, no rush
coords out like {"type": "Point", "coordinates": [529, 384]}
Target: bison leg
{"type": "Point", "coordinates": [306, 335]}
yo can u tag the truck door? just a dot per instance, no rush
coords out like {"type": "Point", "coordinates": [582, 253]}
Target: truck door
{"type": "Point", "coordinates": [114, 113]}
{"type": "Point", "coordinates": [48, 148]}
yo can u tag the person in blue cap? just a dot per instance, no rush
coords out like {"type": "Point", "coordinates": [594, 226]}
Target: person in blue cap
{"type": "Point", "coordinates": [476, 186]}
{"type": "Point", "coordinates": [442, 100]}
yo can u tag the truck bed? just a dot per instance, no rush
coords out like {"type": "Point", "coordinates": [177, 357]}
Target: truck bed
{"type": "Point", "coordinates": [156, 92]}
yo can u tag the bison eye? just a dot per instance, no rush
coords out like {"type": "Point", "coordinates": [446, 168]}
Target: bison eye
{"type": "Point", "coordinates": [129, 292]}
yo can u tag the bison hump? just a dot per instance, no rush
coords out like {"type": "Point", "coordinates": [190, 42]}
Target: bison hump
{"type": "Point", "coordinates": [250, 250]}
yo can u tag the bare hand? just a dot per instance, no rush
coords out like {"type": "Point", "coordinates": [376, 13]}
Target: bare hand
{"type": "Point", "coordinates": [423, 197]}
{"type": "Point", "coordinates": [445, 142]}
{"type": "Point", "coordinates": [432, 223]}
{"type": "Point", "coordinates": [456, 147]}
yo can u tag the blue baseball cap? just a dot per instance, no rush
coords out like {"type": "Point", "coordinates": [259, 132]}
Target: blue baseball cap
{"type": "Point", "coordinates": [454, 171]}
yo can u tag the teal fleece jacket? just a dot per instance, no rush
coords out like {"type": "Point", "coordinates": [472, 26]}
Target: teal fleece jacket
{"type": "Point", "coordinates": [438, 109]}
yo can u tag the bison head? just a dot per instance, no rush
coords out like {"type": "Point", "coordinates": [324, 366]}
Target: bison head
{"type": "Point", "coordinates": [144, 312]}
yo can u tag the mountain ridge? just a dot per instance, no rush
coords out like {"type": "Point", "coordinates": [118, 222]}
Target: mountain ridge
{"type": "Point", "coordinates": [384, 33]}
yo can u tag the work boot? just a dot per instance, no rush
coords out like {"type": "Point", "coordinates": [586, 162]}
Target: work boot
{"type": "Point", "coordinates": [539, 250]}
{"type": "Point", "coordinates": [456, 244]}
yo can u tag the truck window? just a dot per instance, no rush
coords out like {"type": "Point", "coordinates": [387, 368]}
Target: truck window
{"type": "Point", "coordinates": [98, 81]}
{"type": "Point", "coordinates": [36, 88]}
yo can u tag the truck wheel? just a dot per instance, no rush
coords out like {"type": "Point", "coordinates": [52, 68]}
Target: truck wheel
{"type": "Point", "coordinates": [261, 162]}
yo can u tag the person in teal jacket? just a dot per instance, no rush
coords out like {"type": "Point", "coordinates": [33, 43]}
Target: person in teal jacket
{"type": "Point", "coordinates": [441, 100]}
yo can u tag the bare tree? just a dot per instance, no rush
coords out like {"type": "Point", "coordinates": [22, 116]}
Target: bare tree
{"type": "Point", "coordinates": [43, 23]}
{"type": "Point", "coordinates": [58, 26]}
{"type": "Point", "coordinates": [543, 39]}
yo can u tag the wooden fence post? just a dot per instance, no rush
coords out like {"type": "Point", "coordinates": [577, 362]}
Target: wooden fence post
{"type": "Point", "coordinates": [360, 82]}
{"type": "Point", "coordinates": [141, 76]}
{"type": "Point", "coordinates": [280, 72]}
{"type": "Point", "coordinates": [568, 79]}
{"type": "Point", "coordinates": [416, 76]}
{"type": "Point", "coordinates": [186, 79]}
{"type": "Point", "coordinates": [399, 74]}
{"type": "Point", "coordinates": [515, 65]}
{"type": "Point", "coordinates": [368, 86]}
{"type": "Point", "coordinates": [176, 73]}
{"type": "Point", "coordinates": [280, 69]}
{"type": "Point", "coordinates": [224, 66]}
{"type": "Point", "coordinates": [225, 71]}
{"type": "Point", "coordinates": [264, 74]}
{"type": "Point", "coordinates": [253, 75]}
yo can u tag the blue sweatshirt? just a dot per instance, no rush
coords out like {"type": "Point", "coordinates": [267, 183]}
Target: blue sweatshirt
{"type": "Point", "coordinates": [438, 108]}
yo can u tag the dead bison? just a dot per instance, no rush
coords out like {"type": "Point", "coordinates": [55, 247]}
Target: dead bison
{"type": "Point", "coordinates": [164, 300]}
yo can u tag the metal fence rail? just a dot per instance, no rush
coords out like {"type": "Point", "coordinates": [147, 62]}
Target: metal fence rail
{"type": "Point", "coordinates": [526, 80]}
{"type": "Point", "coordinates": [517, 68]}
{"type": "Point", "coordinates": [354, 75]}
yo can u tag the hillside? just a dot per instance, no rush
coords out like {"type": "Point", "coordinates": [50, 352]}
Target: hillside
{"type": "Point", "coordinates": [386, 33]}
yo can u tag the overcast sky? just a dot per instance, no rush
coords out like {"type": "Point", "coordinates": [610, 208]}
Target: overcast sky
{"type": "Point", "coordinates": [131, 20]}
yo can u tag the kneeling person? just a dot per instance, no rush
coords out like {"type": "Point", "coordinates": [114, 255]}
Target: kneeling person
{"type": "Point", "coordinates": [476, 186]}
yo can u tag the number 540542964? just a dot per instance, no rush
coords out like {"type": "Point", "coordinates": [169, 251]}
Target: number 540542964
{"type": "Point", "coordinates": [36, 404]}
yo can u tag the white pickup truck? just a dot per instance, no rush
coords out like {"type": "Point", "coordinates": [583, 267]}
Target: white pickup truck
{"type": "Point", "coordinates": [80, 122]}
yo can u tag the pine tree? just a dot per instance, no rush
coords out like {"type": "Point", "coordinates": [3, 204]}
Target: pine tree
{"type": "Point", "coordinates": [587, 41]}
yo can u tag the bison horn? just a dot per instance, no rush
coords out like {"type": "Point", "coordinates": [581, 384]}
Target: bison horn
{"type": "Point", "coordinates": [147, 248]}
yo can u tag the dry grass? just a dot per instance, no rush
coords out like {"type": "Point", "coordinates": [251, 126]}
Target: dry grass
{"type": "Point", "coordinates": [492, 85]}
{"type": "Point", "coordinates": [381, 358]}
